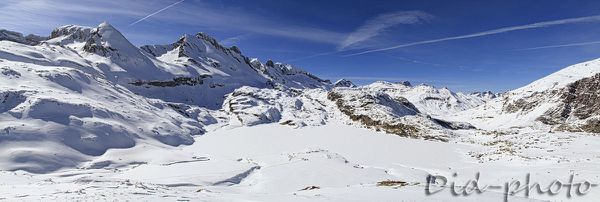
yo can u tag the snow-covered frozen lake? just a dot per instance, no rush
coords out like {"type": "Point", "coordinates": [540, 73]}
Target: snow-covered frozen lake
{"type": "Point", "coordinates": [334, 162]}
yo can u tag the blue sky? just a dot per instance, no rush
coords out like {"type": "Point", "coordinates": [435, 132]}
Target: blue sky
{"type": "Point", "coordinates": [464, 45]}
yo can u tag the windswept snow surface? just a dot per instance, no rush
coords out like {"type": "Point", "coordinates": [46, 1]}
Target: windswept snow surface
{"type": "Point", "coordinates": [272, 162]}
{"type": "Point", "coordinates": [54, 117]}
{"type": "Point", "coordinates": [85, 115]}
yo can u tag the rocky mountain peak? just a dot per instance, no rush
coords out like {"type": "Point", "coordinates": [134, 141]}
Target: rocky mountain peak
{"type": "Point", "coordinates": [106, 38]}
{"type": "Point", "coordinates": [344, 83]}
{"type": "Point", "coordinates": [405, 83]}
{"type": "Point", "coordinates": [485, 94]}
{"type": "Point", "coordinates": [68, 34]}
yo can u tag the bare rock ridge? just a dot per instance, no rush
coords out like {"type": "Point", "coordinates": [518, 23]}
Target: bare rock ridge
{"type": "Point", "coordinates": [19, 38]}
{"type": "Point", "coordinates": [579, 105]}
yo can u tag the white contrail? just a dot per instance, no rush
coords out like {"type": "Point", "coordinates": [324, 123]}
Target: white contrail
{"type": "Point", "coordinates": [560, 46]}
{"type": "Point", "coordinates": [312, 56]}
{"type": "Point", "coordinates": [161, 10]}
{"type": "Point", "coordinates": [490, 32]}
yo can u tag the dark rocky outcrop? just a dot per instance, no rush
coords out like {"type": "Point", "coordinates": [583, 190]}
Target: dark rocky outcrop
{"type": "Point", "coordinates": [179, 81]}
{"type": "Point", "coordinates": [578, 101]}
{"type": "Point", "coordinates": [71, 33]}
{"type": "Point", "coordinates": [344, 83]}
{"type": "Point", "coordinates": [404, 83]}
{"type": "Point", "coordinates": [525, 104]}
{"type": "Point", "coordinates": [6, 35]}
{"type": "Point", "coordinates": [351, 106]}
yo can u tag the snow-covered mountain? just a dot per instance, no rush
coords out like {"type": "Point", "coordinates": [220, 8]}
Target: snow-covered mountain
{"type": "Point", "coordinates": [430, 100]}
{"type": "Point", "coordinates": [176, 72]}
{"type": "Point", "coordinates": [487, 95]}
{"type": "Point", "coordinates": [85, 90]}
{"type": "Point", "coordinates": [566, 100]}
{"type": "Point", "coordinates": [344, 83]}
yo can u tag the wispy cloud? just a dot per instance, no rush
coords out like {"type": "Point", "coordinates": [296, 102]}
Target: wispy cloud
{"type": "Point", "coordinates": [594, 18]}
{"type": "Point", "coordinates": [232, 40]}
{"type": "Point", "coordinates": [41, 16]}
{"type": "Point", "coordinates": [237, 19]}
{"type": "Point", "coordinates": [381, 23]}
{"type": "Point", "coordinates": [560, 46]}
{"type": "Point", "coordinates": [312, 56]}
{"type": "Point", "coordinates": [152, 14]}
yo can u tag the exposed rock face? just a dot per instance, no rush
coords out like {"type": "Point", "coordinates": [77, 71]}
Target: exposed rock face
{"type": "Point", "coordinates": [486, 95]}
{"type": "Point", "coordinates": [583, 97]}
{"type": "Point", "coordinates": [188, 46]}
{"type": "Point", "coordinates": [404, 83]}
{"type": "Point", "coordinates": [574, 107]}
{"type": "Point", "coordinates": [287, 76]}
{"type": "Point", "coordinates": [579, 101]}
{"type": "Point", "coordinates": [525, 104]}
{"type": "Point", "coordinates": [105, 40]}
{"type": "Point", "coordinates": [344, 83]}
{"type": "Point", "coordinates": [437, 102]}
{"type": "Point", "coordinates": [69, 34]}
{"type": "Point", "coordinates": [203, 53]}
{"type": "Point", "coordinates": [379, 111]}
{"type": "Point", "coordinates": [178, 81]}
{"type": "Point", "coordinates": [591, 126]}
{"type": "Point", "coordinates": [454, 125]}
{"type": "Point", "coordinates": [350, 109]}
{"type": "Point", "coordinates": [19, 38]}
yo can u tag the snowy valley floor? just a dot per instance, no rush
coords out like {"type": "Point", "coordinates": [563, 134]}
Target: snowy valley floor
{"type": "Point", "coordinates": [334, 162]}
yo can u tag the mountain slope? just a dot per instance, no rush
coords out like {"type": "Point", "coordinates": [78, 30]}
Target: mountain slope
{"type": "Point", "coordinates": [565, 100]}
{"type": "Point", "coordinates": [55, 116]}
{"type": "Point", "coordinates": [428, 99]}
{"type": "Point", "coordinates": [86, 90]}
{"type": "Point", "coordinates": [176, 72]}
